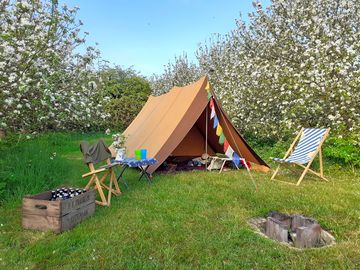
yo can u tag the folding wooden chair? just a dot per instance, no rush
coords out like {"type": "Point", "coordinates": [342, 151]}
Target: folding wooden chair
{"type": "Point", "coordinates": [309, 145]}
{"type": "Point", "coordinates": [95, 154]}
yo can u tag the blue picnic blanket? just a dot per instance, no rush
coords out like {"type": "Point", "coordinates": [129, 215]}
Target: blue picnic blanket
{"type": "Point", "coordinates": [132, 162]}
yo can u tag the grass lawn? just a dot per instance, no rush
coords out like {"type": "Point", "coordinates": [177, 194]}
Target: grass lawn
{"type": "Point", "coordinates": [186, 221]}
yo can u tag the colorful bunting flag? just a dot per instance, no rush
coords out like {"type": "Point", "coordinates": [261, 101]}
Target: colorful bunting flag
{"type": "Point", "coordinates": [236, 159]}
{"type": "Point", "coordinates": [207, 87]}
{"type": "Point", "coordinates": [212, 114]}
{"type": "Point", "coordinates": [229, 152]}
{"type": "Point", "coordinates": [219, 130]}
{"type": "Point", "coordinates": [216, 122]}
{"type": "Point", "coordinates": [209, 95]}
{"type": "Point", "coordinates": [211, 103]}
{"type": "Point", "coordinates": [222, 138]}
{"type": "Point", "coordinates": [226, 145]}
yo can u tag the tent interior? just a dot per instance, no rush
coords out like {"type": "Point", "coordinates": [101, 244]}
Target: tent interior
{"type": "Point", "coordinates": [193, 146]}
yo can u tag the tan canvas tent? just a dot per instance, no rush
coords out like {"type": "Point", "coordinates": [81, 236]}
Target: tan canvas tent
{"type": "Point", "coordinates": [177, 124]}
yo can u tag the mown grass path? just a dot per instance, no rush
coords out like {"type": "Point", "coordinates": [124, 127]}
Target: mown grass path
{"type": "Point", "coordinates": [188, 221]}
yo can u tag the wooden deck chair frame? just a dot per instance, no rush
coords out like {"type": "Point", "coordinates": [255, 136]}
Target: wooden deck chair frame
{"type": "Point", "coordinates": [99, 183]}
{"type": "Point", "coordinates": [307, 167]}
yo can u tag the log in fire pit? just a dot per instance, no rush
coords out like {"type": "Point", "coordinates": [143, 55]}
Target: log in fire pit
{"type": "Point", "coordinates": [293, 230]}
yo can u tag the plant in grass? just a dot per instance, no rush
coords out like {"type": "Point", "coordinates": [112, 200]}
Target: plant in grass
{"type": "Point", "coordinates": [28, 166]}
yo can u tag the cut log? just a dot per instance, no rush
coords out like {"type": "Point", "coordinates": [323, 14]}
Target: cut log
{"type": "Point", "coordinates": [301, 221]}
{"type": "Point", "coordinates": [285, 219]}
{"type": "Point", "coordinates": [276, 230]}
{"type": "Point", "coordinates": [308, 236]}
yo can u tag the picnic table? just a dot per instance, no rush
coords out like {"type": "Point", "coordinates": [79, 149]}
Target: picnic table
{"type": "Point", "coordinates": [142, 164]}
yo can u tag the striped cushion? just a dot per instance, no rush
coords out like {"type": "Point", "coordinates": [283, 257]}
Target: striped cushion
{"type": "Point", "coordinates": [307, 144]}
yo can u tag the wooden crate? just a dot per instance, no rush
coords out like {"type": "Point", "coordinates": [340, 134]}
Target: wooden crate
{"type": "Point", "coordinates": [39, 213]}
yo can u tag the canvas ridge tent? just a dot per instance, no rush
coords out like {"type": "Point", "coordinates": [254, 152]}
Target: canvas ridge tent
{"type": "Point", "coordinates": [177, 123]}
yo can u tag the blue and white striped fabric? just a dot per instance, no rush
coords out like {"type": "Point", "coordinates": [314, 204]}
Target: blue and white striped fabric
{"type": "Point", "coordinates": [307, 144]}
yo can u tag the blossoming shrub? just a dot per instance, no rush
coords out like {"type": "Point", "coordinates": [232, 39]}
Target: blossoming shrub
{"type": "Point", "coordinates": [44, 83]}
{"type": "Point", "coordinates": [295, 64]}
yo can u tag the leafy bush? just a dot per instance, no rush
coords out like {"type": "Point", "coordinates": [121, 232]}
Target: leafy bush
{"type": "Point", "coordinates": [130, 96]}
{"type": "Point", "coordinates": [344, 151]}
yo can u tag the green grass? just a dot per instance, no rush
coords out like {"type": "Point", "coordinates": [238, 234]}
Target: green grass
{"type": "Point", "coordinates": [183, 221]}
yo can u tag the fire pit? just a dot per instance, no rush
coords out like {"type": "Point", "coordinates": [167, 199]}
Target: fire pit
{"type": "Point", "coordinates": [293, 230]}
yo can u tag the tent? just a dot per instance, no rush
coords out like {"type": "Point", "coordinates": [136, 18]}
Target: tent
{"type": "Point", "coordinates": [178, 124]}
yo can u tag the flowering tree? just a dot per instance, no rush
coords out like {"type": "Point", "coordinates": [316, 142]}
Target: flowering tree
{"type": "Point", "coordinates": [44, 83]}
{"type": "Point", "coordinates": [295, 64]}
{"type": "Point", "coordinates": [179, 73]}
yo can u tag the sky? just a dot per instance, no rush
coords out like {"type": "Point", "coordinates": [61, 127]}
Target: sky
{"type": "Point", "coordinates": [147, 34]}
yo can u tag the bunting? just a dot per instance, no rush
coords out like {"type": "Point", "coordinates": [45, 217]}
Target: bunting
{"type": "Point", "coordinates": [219, 130]}
{"type": "Point", "coordinates": [229, 152]}
{"type": "Point", "coordinates": [220, 133]}
{"type": "Point", "coordinates": [236, 159]}
{"type": "Point", "coordinates": [212, 114]}
{"type": "Point", "coordinates": [216, 121]}
{"type": "Point", "coordinates": [221, 138]}
{"type": "Point", "coordinates": [211, 104]}
{"type": "Point", "coordinates": [226, 145]}
{"type": "Point", "coordinates": [207, 87]}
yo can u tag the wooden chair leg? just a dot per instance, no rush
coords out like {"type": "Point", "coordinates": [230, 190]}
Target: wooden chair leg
{"type": "Point", "coordinates": [304, 173]}
{"type": "Point", "coordinates": [90, 183]}
{"type": "Point", "coordinates": [313, 172]}
{"type": "Point", "coordinates": [100, 190]}
{"type": "Point", "coordinates": [103, 178]}
{"type": "Point", "coordinates": [110, 190]}
{"type": "Point", "coordinates": [321, 163]}
{"type": "Point", "coordinates": [276, 171]}
{"type": "Point", "coordinates": [116, 184]}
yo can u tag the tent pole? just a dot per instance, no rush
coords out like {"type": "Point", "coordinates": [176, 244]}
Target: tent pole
{"type": "Point", "coordinates": [206, 130]}
{"type": "Point", "coordinates": [206, 135]}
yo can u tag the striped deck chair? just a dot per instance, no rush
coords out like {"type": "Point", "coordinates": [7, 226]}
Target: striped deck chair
{"type": "Point", "coordinates": [309, 145]}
